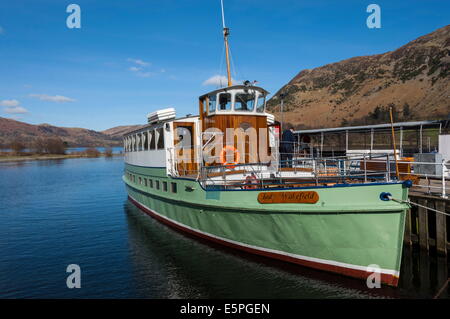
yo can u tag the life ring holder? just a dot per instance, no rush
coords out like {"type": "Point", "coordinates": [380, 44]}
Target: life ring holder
{"type": "Point", "coordinates": [223, 155]}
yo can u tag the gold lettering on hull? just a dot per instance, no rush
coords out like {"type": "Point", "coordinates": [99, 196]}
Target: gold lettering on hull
{"type": "Point", "coordinates": [308, 197]}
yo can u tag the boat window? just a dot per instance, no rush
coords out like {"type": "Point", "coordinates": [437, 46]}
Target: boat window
{"type": "Point", "coordinates": [165, 186]}
{"type": "Point", "coordinates": [212, 103]}
{"type": "Point", "coordinates": [150, 182]}
{"type": "Point", "coordinates": [224, 101]}
{"type": "Point", "coordinates": [152, 140]}
{"type": "Point", "coordinates": [260, 104]}
{"type": "Point", "coordinates": [160, 138]}
{"type": "Point", "coordinates": [244, 102]}
{"type": "Point", "coordinates": [140, 180]}
{"type": "Point", "coordinates": [145, 182]}
{"type": "Point", "coordinates": [138, 142]}
{"type": "Point", "coordinates": [174, 187]}
{"type": "Point", "coordinates": [157, 184]}
{"type": "Point", "coordinates": [146, 140]}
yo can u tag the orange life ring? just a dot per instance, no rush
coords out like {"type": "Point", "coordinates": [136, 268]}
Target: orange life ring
{"type": "Point", "coordinates": [223, 155]}
{"type": "Point", "coordinates": [251, 182]}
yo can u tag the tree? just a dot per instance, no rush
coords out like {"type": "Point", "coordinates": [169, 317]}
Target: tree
{"type": "Point", "coordinates": [54, 145]}
{"type": "Point", "coordinates": [17, 146]}
{"type": "Point", "coordinates": [39, 146]}
{"type": "Point", "coordinates": [108, 152]}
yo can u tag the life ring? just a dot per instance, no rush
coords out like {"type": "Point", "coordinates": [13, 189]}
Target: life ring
{"type": "Point", "coordinates": [251, 182]}
{"type": "Point", "coordinates": [223, 156]}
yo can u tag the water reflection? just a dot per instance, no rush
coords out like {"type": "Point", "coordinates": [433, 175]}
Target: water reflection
{"type": "Point", "coordinates": [169, 264]}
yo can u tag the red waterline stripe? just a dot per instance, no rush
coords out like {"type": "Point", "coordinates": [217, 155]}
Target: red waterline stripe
{"type": "Point", "coordinates": [387, 279]}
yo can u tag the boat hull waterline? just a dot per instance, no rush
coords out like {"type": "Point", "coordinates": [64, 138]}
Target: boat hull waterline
{"type": "Point", "coordinates": [356, 231]}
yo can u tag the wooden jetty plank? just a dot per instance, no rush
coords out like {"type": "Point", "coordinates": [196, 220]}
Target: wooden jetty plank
{"type": "Point", "coordinates": [441, 229]}
{"type": "Point", "coordinates": [423, 225]}
{"type": "Point", "coordinates": [407, 238]}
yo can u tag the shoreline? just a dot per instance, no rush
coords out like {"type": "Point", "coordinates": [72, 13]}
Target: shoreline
{"type": "Point", "coordinates": [18, 158]}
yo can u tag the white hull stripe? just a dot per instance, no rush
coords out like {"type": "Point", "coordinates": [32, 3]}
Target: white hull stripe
{"type": "Point", "coordinates": [279, 252]}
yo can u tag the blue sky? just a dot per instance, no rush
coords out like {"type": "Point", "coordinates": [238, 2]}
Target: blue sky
{"type": "Point", "coordinates": [132, 57]}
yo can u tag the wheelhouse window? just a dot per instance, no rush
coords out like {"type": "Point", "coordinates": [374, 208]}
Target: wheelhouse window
{"type": "Point", "coordinates": [260, 103]}
{"type": "Point", "coordinates": [212, 99]}
{"type": "Point", "coordinates": [225, 102]}
{"type": "Point", "coordinates": [244, 102]}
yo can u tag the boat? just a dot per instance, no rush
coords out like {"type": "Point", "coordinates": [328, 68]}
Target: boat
{"type": "Point", "coordinates": [218, 175]}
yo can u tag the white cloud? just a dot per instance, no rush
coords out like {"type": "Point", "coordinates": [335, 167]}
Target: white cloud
{"type": "Point", "coordinates": [134, 69]}
{"type": "Point", "coordinates": [9, 103]}
{"type": "Point", "coordinates": [15, 110]}
{"type": "Point", "coordinates": [218, 80]}
{"type": "Point", "coordinates": [145, 74]}
{"type": "Point", "coordinates": [54, 98]}
{"type": "Point", "coordinates": [139, 62]}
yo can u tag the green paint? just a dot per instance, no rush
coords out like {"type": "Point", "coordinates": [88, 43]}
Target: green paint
{"type": "Point", "coordinates": [348, 224]}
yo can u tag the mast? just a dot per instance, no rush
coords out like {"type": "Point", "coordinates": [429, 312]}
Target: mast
{"type": "Point", "coordinates": [226, 33]}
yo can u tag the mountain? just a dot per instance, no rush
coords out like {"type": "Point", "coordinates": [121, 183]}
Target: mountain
{"type": "Point", "coordinates": [11, 130]}
{"type": "Point", "coordinates": [413, 79]}
{"type": "Point", "coordinates": [119, 131]}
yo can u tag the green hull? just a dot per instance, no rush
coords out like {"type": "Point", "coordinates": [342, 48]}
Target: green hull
{"type": "Point", "coordinates": [347, 230]}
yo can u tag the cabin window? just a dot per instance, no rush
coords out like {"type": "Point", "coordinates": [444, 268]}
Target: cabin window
{"type": "Point", "coordinates": [260, 104]}
{"type": "Point", "coordinates": [150, 182]}
{"type": "Point", "coordinates": [152, 140]}
{"type": "Point", "coordinates": [160, 138]}
{"type": "Point", "coordinates": [145, 182]}
{"type": "Point", "coordinates": [138, 142]}
{"type": "Point", "coordinates": [165, 186]}
{"type": "Point", "coordinates": [146, 140]}
{"type": "Point", "coordinates": [157, 184]}
{"type": "Point", "coordinates": [134, 178]}
{"type": "Point", "coordinates": [174, 187]}
{"type": "Point", "coordinates": [244, 102]}
{"type": "Point", "coordinates": [212, 103]}
{"type": "Point", "coordinates": [224, 101]}
{"type": "Point", "coordinates": [140, 180]}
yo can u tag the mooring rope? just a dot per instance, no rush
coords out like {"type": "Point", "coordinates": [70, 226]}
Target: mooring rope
{"type": "Point", "coordinates": [417, 204]}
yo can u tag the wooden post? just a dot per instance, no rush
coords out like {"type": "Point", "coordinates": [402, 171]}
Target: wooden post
{"type": "Point", "coordinates": [423, 225]}
{"type": "Point", "coordinates": [407, 239]}
{"type": "Point", "coordinates": [441, 229]}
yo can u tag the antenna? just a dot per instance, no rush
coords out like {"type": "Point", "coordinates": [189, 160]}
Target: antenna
{"type": "Point", "coordinates": [226, 33]}
{"type": "Point", "coordinates": [223, 14]}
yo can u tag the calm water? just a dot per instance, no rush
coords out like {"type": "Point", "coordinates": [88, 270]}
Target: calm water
{"type": "Point", "coordinates": [56, 213]}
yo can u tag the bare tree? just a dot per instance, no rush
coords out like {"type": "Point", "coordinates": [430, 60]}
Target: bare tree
{"type": "Point", "coordinates": [39, 146]}
{"type": "Point", "coordinates": [17, 146]}
{"type": "Point", "coordinates": [55, 145]}
{"type": "Point", "coordinates": [108, 152]}
{"type": "Point", "coordinates": [92, 152]}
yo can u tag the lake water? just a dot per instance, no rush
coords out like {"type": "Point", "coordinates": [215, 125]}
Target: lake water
{"type": "Point", "coordinates": [75, 211]}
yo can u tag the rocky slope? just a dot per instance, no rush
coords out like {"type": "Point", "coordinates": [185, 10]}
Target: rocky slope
{"type": "Point", "coordinates": [414, 79]}
{"type": "Point", "coordinates": [11, 130]}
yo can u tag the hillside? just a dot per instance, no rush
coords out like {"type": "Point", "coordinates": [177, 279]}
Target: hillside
{"type": "Point", "coordinates": [414, 79]}
{"type": "Point", "coordinates": [119, 131]}
{"type": "Point", "coordinates": [14, 130]}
